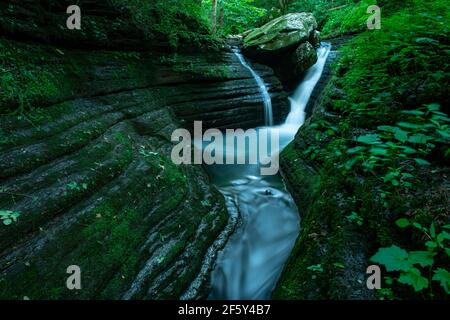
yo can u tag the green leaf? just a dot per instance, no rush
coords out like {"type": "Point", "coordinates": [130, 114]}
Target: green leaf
{"type": "Point", "coordinates": [401, 135]}
{"type": "Point", "coordinates": [431, 244]}
{"type": "Point", "coordinates": [408, 150]}
{"type": "Point", "coordinates": [403, 223]}
{"type": "Point", "coordinates": [422, 162]}
{"type": "Point", "coordinates": [419, 226]}
{"type": "Point", "coordinates": [414, 112]}
{"type": "Point", "coordinates": [407, 175]}
{"type": "Point", "coordinates": [8, 216]}
{"type": "Point", "coordinates": [433, 107]}
{"type": "Point", "coordinates": [387, 128]}
{"type": "Point", "coordinates": [419, 139]}
{"type": "Point", "coordinates": [369, 139]}
{"type": "Point", "coordinates": [432, 230]}
{"type": "Point", "coordinates": [444, 235]}
{"type": "Point", "coordinates": [393, 258]}
{"type": "Point", "coordinates": [443, 276]}
{"type": "Point", "coordinates": [444, 134]}
{"type": "Point", "coordinates": [409, 125]}
{"type": "Point", "coordinates": [5, 213]}
{"type": "Point", "coordinates": [423, 258]}
{"type": "Point", "coordinates": [426, 40]}
{"type": "Point", "coordinates": [355, 150]}
{"type": "Point", "coordinates": [414, 279]}
{"type": "Point", "coordinates": [379, 151]}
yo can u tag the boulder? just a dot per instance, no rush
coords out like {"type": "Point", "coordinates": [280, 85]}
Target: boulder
{"type": "Point", "coordinates": [280, 35]}
{"type": "Point", "coordinates": [286, 44]}
{"type": "Point", "coordinates": [315, 39]}
{"type": "Point", "coordinates": [296, 63]}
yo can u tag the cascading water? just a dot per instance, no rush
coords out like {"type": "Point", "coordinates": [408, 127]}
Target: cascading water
{"type": "Point", "coordinates": [301, 96]}
{"type": "Point", "coordinates": [268, 114]}
{"type": "Point", "coordinates": [252, 261]}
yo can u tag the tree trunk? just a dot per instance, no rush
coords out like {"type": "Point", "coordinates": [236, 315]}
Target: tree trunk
{"type": "Point", "coordinates": [221, 16]}
{"type": "Point", "coordinates": [214, 17]}
{"type": "Point", "coordinates": [284, 5]}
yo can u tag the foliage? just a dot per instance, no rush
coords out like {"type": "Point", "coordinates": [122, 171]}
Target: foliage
{"type": "Point", "coordinates": [429, 127]}
{"type": "Point", "coordinates": [177, 21]}
{"type": "Point", "coordinates": [75, 186]}
{"type": "Point", "coordinates": [349, 19]}
{"type": "Point", "coordinates": [379, 147]}
{"type": "Point", "coordinates": [24, 78]}
{"type": "Point", "coordinates": [418, 268]}
{"type": "Point", "coordinates": [320, 8]}
{"type": "Point", "coordinates": [240, 15]}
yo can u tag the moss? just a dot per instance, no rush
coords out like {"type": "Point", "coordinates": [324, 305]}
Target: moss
{"type": "Point", "coordinates": [328, 192]}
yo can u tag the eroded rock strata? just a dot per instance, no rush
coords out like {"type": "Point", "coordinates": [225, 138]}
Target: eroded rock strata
{"type": "Point", "coordinates": [86, 162]}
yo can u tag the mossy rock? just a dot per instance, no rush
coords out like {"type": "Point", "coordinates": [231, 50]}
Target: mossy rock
{"type": "Point", "coordinates": [281, 34]}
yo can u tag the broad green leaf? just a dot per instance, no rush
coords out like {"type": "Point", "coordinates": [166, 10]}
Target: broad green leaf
{"type": "Point", "coordinates": [355, 150]}
{"type": "Point", "coordinates": [423, 258]}
{"type": "Point", "coordinates": [387, 128]}
{"type": "Point", "coordinates": [401, 135]}
{"type": "Point", "coordinates": [445, 134]}
{"type": "Point", "coordinates": [409, 150]}
{"type": "Point", "coordinates": [414, 279]}
{"type": "Point", "coordinates": [419, 139]}
{"type": "Point", "coordinates": [407, 175]}
{"type": "Point", "coordinates": [433, 107]}
{"type": "Point", "coordinates": [369, 139]}
{"type": "Point", "coordinates": [403, 223]}
{"type": "Point", "coordinates": [379, 151]}
{"type": "Point", "coordinates": [443, 276]}
{"type": "Point", "coordinates": [422, 162]}
{"type": "Point", "coordinates": [393, 258]}
{"type": "Point", "coordinates": [414, 112]}
{"type": "Point", "coordinates": [409, 125]}
{"type": "Point", "coordinates": [7, 222]}
{"type": "Point", "coordinates": [431, 244]}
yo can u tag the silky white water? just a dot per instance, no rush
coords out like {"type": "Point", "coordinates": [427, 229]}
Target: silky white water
{"type": "Point", "coordinates": [252, 261]}
{"type": "Point", "coordinates": [268, 114]}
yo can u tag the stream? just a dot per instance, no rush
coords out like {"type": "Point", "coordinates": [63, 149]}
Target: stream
{"type": "Point", "coordinates": [252, 261]}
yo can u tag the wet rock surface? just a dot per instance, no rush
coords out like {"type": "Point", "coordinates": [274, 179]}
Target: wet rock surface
{"type": "Point", "coordinates": [287, 44]}
{"type": "Point", "coordinates": [89, 168]}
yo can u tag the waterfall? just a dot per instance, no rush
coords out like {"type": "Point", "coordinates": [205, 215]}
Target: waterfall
{"type": "Point", "coordinates": [302, 94]}
{"type": "Point", "coordinates": [268, 114]}
{"type": "Point", "coordinates": [299, 100]}
{"type": "Point", "coordinates": [252, 261]}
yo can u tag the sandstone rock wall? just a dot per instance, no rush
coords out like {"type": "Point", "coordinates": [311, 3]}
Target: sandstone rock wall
{"type": "Point", "coordinates": [85, 157]}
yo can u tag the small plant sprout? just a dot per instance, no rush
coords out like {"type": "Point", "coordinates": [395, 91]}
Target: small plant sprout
{"type": "Point", "coordinates": [8, 217]}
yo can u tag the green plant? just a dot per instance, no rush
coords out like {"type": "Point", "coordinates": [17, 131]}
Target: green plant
{"type": "Point", "coordinates": [414, 140]}
{"type": "Point", "coordinates": [147, 154]}
{"type": "Point", "coordinates": [8, 217]}
{"type": "Point", "coordinates": [418, 268]}
{"type": "Point", "coordinates": [355, 218]}
{"type": "Point", "coordinates": [75, 186]}
{"type": "Point", "coordinates": [206, 203]}
{"type": "Point", "coordinates": [317, 268]}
